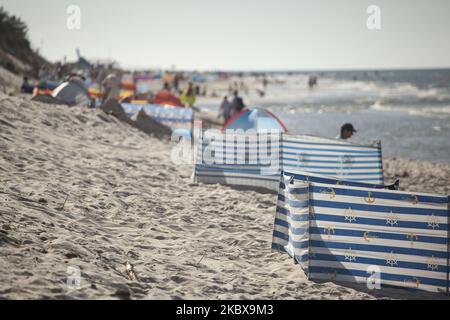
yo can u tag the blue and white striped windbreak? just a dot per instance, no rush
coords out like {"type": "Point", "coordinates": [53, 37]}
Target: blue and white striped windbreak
{"type": "Point", "coordinates": [173, 117]}
{"type": "Point", "coordinates": [337, 158]}
{"type": "Point", "coordinates": [239, 159]}
{"type": "Point", "coordinates": [345, 233]}
{"type": "Point", "coordinates": [347, 161]}
{"type": "Point", "coordinates": [319, 178]}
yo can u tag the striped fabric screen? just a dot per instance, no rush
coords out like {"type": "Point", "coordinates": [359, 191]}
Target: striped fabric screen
{"type": "Point", "coordinates": [291, 226]}
{"type": "Point", "coordinates": [239, 159]}
{"type": "Point", "coordinates": [173, 117]}
{"type": "Point", "coordinates": [335, 158]}
{"type": "Point", "coordinates": [319, 178]}
{"type": "Point", "coordinates": [348, 232]}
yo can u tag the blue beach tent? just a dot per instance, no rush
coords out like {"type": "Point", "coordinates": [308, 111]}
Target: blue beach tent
{"type": "Point", "coordinates": [255, 118]}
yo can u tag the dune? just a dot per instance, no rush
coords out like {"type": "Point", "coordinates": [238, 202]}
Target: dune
{"type": "Point", "coordinates": [9, 82]}
{"type": "Point", "coordinates": [82, 190]}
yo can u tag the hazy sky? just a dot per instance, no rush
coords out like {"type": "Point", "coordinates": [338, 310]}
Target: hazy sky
{"type": "Point", "coordinates": [243, 34]}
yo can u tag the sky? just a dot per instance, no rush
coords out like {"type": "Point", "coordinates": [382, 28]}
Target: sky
{"type": "Point", "coordinates": [243, 34]}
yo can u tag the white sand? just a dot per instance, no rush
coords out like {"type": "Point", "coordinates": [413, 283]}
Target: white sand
{"type": "Point", "coordinates": [128, 202]}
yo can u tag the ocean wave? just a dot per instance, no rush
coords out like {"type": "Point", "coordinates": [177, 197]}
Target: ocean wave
{"type": "Point", "coordinates": [413, 110]}
{"type": "Point", "coordinates": [354, 92]}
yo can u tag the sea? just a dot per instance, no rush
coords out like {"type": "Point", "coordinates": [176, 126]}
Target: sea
{"type": "Point", "coordinates": [408, 110]}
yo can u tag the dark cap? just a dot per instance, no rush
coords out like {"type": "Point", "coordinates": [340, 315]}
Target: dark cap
{"type": "Point", "coordinates": [348, 127]}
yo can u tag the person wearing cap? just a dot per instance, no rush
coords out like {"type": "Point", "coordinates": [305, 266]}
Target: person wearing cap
{"type": "Point", "coordinates": [347, 131]}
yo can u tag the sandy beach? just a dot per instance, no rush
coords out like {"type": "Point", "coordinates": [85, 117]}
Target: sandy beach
{"type": "Point", "coordinates": [81, 189]}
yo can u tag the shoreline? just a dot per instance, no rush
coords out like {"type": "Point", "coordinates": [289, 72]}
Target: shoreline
{"type": "Point", "coordinates": [82, 189]}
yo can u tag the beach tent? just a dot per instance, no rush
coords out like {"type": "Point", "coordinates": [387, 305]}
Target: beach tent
{"type": "Point", "coordinates": [73, 92]}
{"type": "Point", "coordinates": [257, 118]}
{"type": "Point", "coordinates": [166, 98]}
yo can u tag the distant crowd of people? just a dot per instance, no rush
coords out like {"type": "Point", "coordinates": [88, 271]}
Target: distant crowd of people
{"type": "Point", "coordinates": [170, 94]}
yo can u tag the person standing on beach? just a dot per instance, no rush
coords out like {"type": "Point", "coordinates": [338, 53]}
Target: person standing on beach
{"type": "Point", "coordinates": [312, 81]}
{"type": "Point", "coordinates": [188, 95]}
{"type": "Point", "coordinates": [265, 82]}
{"type": "Point", "coordinates": [237, 105]}
{"type": "Point", "coordinates": [176, 81]}
{"type": "Point", "coordinates": [166, 87]}
{"type": "Point", "coordinates": [111, 87]}
{"type": "Point", "coordinates": [347, 131]}
{"type": "Point", "coordinates": [225, 109]}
